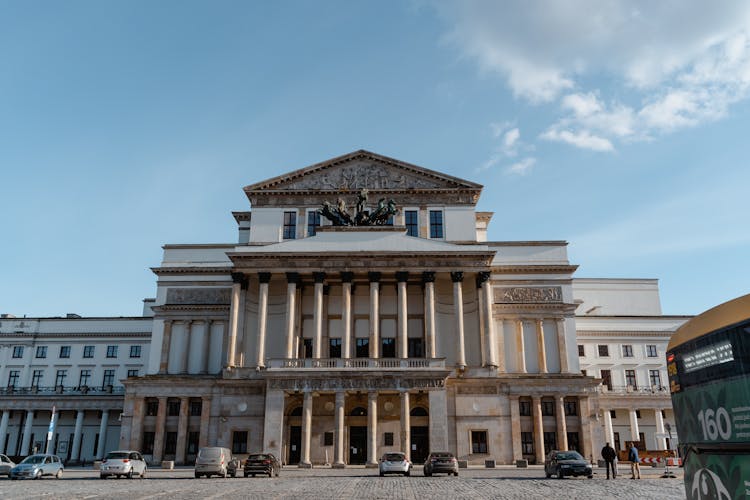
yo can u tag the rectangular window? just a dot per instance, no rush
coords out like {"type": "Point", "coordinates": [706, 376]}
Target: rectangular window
{"type": "Point", "coordinates": [83, 379]}
{"type": "Point", "coordinates": [585, 373]}
{"type": "Point", "coordinates": [613, 413]}
{"type": "Point", "coordinates": [196, 407]}
{"type": "Point", "coordinates": [313, 221]}
{"type": "Point", "coordinates": [651, 351]}
{"type": "Point", "coordinates": [581, 350]}
{"type": "Point", "coordinates": [603, 350]}
{"type": "Point", "coordinates": [388, 439]}
{"type": "Point", "coordinates": [13, 377]}
{"type": "Point", "coordinates": [239, 442]}
{"type": "Point", "coordinates": [389, 348]}
{"type": "Point", "coordinates": [152, 407]}
{"type": "Point", "coordinates": [630, 379]}
{"type": "Point", "coordinates": [637, 413]}
{"type": "Point", "coordinates": [148, 443]}
{"type": "Point", "coordinates": [617, 441]}
{"type": "Point", "coordinates": [627, 351]}
{"type": "Point", "coordinates": [655, 378]}
{"type": "Point", "coordinates": [548, 408]}
{"type": "Point", "coordinates": [173, 408]}
{"type": "Point", "coordinates": [307, 348]}
{"type": "Point", "coordinates": [192, 442]}
{"type": "Point", "coordinates": [132, 373]}
{"type": "Point", "coordinates": [108, 379]}
{"type": "Point", "coordinates": [17, 351]}
{"type": "Point", "coordinates": [607, 379]}
{"type": "Point", "coordinates": [170, 443]}
{"type": "Point", "coordinates": [64, 351]}
{"type": "Point", "coordinates": [524, 408]}
{"type": "Point", "coordinates": [290, 225]}
{"type": "Point", "coordinates": [415, 348]}
{"type": "Point", "coordinates": [111, 351]}
{"type": "Point", "coordinates": [135, 351]}
{"type": "Point", "coordinates": [328, 438]}
{"type": "Point", "coordinates": [550, 442]}
{"type": "Point", "coordinates": [571, 408]}
{"type": "Point", "coordinates": [363, 348]}
{"type": "Point", "coordinates": [334, 348]}
{"type": "Point", "coordinates": [88, 351]}
{"type": "Point", "coordinates": [60, 378]}
{"type": "Point", "coordinates": [411, 220]}
{"type": "Point", "coordinates": [36, 378]}
{"type": "Point", "coordinates": [436, 224]}
{"type": "Point", "coordinates": [527, 443]}
{"type": "Point", "coordinates": [41, 351]}
{"type": "Point", "coordinates": [574, 441]}
{"type": "Point", "coordinates": [479, 441]}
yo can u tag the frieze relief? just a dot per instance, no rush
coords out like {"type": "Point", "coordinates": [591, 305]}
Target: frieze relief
{"type": "Point", "coordinates": [363, 175]}
{"type": "Point", "coordinates": [208, 296]}
{"type": "Point", "coordinates": [338, 383]}
{"type": "Point", "coordinates": [481, 389]}
{"type": "Point", "coordinates": [525, 295]}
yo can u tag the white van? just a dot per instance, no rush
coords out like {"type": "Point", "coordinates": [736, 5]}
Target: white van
{"type": "Point", "coordinates": [215, 460]}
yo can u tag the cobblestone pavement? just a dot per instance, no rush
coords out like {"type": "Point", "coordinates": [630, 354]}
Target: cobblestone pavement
{"type": "Point", "coordinates": [354, 483]}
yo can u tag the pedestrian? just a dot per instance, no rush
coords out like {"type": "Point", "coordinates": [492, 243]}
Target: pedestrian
{"type": "Point", "coordinates": [610, 455]}
{"type": "Point", "coordinates": [635, 465]}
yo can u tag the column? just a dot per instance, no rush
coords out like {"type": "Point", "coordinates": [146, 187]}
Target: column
{"type": "Point", "coordinates": [405, 425]}
{"type": "Point", "coordinates": [263, 278]}
{"type": "Point", "coordinates": [438, 419]}
{"type": "Point", "coordinates": [609, 434]}
{"type": "Point", "coordinates": [161, 417]}
{"type": "Point", "coordinates": [136, 432]}
{"type": "Point", "coordinates": [346, 315]}
{"type": "Point", "coordinates": [483, 350]}
{"type": "Point", "coordinates": [372, 429]}
{"type": "Point", "coordinates": [634, 432]}
{"type": "Point", "coordinates": [562, 428]}
{"type": "Point", "coordinates": [515, 428]}
{"type": "Point", "coordinates": [500, 347]}
{"type": "Point", "coordinates": [75, 452]}
{"type": "Point", "coordinates": [661, 443]}
{"type": "Point", "coordinates": [428, 278]}
{"type": "Point", "coordinates": [374, 314]}
{"type": "Point", "coordinates": [182, 429]}
{"type": "Point", "coordinates": [291, 296]}
{"type": "Point", "coordinates": [185, 362]}
{"type": "Point", "coordinates": [273, 422]}
{"type": "Point", "coordinates": [318, 315]}
{"type": "Point", "coordinates": [403, 312]}
{"type": "Point", "coordinates": [489, 318]}
{"type": "Point", "coordinates": [101, 446]}
{"type": "Point", "coordinates": [26, 442]}
{"type": "Point", "coordinates": [458, 312]}
{"type": "Point", "coordinates": [306, 430]}
{"type": "Point", "coordinates": [541, 350]}
{"type": "Point", "coordinates": [584, 411]}
{"type": "Point", "coordinates": [205, 419]}
{"type": "Point", "coordinates": [521, 354]}
{"type": "Point", "coordinates": [338, 450]}
{"type": "Point", "coordinates": [562, 346]}
{"type": "Point", "coordinates": [166, 339]}
{"type": "Point", "coordinates": [240, 282]}
{"type": "Point", "coordinates": [206, 347]}
{"type": "Point", "coordinates": [4, 428]}
{"type": "Point", "coordinates": [536, 410]}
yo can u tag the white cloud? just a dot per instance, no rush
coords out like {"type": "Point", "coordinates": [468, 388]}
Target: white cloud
{"type": "Point", "coordinates": [522, 167]}
{"type": "Point", "coordinates": [581, 139]}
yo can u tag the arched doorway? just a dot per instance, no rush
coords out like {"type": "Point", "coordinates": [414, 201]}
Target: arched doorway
{"type": "Point", "coordinates": [420, 434]}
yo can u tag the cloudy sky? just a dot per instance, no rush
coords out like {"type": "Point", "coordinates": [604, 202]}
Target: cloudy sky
{"type": "Point", "coordinates": [621, 127]}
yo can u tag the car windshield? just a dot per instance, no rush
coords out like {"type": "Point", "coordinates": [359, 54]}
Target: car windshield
{"type": "Point", "coordinates": [33, 459]}
{"type": "Point", "coordinates": [569, 455]}
{"type": "Point", "coordinates": [209, 453]}
{"type": "Point", "coordinates": [394, 457]}
{"type": "Point", "coordinates": [258, 457]}
{"type": "Point", "coordinates": [117, 455]}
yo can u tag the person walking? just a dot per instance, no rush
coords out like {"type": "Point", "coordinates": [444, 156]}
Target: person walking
{"type": "Point", "coordinates": [635, 464]}
{"type": "Point", "coordinates": [610, 455]}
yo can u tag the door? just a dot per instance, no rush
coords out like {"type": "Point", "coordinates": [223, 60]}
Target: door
{"type": "Point", "coordinates": [357, 445]}
{"type": "Point", "coordinates": [420, 443]}
{"type": "Point", "coordinates": [295, 444]}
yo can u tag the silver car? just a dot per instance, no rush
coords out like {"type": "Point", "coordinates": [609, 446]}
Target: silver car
{"type": "Point", "coordinates": [6, 464]}
{"type": "Point", "coordinates": [395, 463]}
{"type": "Point", "coordinates": [36, 466]}
{"type": "Point", "coordinates": [123, 463]}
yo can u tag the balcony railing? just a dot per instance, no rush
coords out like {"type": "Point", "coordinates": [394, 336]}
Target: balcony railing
{"type": "Point", "coordinates": [62, 390]}
{"type": "Point", "coordinates": [357, 363]}
{"type": "Point", "coordinates": [629, 389]}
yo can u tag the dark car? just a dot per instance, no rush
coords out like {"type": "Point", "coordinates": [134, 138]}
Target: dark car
{"type": "Point", "coordinates": [440, 461]}
{"type": "Point", "coordinates": [567, 463]}
{"type": "Point", "coordinates": [262, 463]}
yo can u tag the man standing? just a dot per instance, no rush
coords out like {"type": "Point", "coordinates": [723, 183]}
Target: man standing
{"type": "Point", "coordinates": [609, 455]}
{"type": "Point", "coordinates": [635, 465]}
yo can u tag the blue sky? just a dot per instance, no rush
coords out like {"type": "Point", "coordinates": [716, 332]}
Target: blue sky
{"type": "Point", "coordinates": [128, 125]}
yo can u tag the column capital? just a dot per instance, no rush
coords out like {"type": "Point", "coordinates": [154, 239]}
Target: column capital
{"type": "Point", "coordinates": [347, 277]}
{"type": "Point", "coordinates": [292, 278]}
{"type": "Point", "coordinates": [264, 277]}
{"type": "Point", "coordinates": [241, 279]}
{"type": "Point", "coordinates": [428, 277]}
{"type": "Point", "coordinates": [457, 276]}
{"type": "Point", "coordinates": [319, 277]}
{"type": "Point", "coordinates": [482, 278]}
{"type": "Point", "coordinates": [402, 276]}
{"type": "Point", "coordinates": [374, 277]}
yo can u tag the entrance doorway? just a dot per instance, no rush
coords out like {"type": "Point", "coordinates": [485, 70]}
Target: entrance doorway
{"type": "Point", "coordinates": [357, 445]}
{"type": "Point", "coordinates": [420, 443]}
{"type": "Point", "coordinates": [295, 444]}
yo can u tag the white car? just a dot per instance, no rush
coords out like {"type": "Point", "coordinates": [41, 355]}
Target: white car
{"type": "Point", "coordinates": [6, 464]}
{"type": "Point", "coordinates": [123, 463]}
{"type": "Point", "coordinates": [395, 463]}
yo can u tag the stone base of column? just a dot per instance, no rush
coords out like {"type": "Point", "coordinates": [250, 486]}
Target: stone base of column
{"type": "Point", "coordinates": [341, 465]}
{"type": "Point", "coordinates": [305, 465]}
{"type": "Point", "coordinates": [372, 465]}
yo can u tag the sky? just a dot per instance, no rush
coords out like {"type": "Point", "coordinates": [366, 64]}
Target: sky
{"type": "Point", "coordinates": [620, 127]}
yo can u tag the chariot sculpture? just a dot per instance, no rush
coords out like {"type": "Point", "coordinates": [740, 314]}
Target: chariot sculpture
{"type": "Point", "coordinates": [339, 214]}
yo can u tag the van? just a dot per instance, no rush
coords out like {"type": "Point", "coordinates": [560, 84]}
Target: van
{"type": "Point", "coordinates": [215, 460]}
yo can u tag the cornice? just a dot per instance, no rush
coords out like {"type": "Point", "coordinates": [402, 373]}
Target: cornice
{"type": "Point", "coordinates": [122, 335]}
{"type": "Point", "coordinates": [534, 269]}
{"type": "Point", "coordinates": [623, 333]}
{"type": "Point", "coordinates": [161, 271]}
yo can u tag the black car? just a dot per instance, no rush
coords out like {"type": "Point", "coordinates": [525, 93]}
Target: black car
{"type": "Point", "coordinates": [567, 463]}
{"type": "Point", "coordinates": [262, 463]}
{"type": "Point", "coordinates": [440, 461]}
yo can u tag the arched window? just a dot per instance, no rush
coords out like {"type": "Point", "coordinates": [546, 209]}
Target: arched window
{"type": "Point", "coordinates": [418, 411]}
{"type": "Point", "coordinates": [297, 412]}
{"type": "Point", "coordinates": [358, 412]}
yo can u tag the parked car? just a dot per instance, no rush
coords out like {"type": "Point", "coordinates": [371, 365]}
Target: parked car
{"type": "Point", "coordinates": [36, 466]}
{"type": "Point", "coordinates": [6, 464]}
{"type": "Point", "coordinates": [262, 463]}
{"type": "Point", "coordinates": [394, 463]}
{"type": "Point", "coordinates": [123, 463]}
{"type": "Point", "coordinates": [566, 463]}
{"type": "Point", "coordinates": [440, 461]}
{"type": "Point", "coordinates": [214, 460]}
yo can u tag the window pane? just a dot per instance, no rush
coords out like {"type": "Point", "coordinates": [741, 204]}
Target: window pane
{"type": "Point", "coordinates": [313, 221]}
{"type": "Point", "coordinates": [290, 225]}
{"type": "Point", "coordinates": [436, 224]}
{"type": "Point", "coordinates": [334, 348]}
{"type": "Point", "coordinates": [411, 222]}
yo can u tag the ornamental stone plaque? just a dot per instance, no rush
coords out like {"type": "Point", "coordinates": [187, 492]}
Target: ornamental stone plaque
{"type": "Point", "coordinates": [526, 295]}
{"type": "Point", "coordinates": [203, 296]}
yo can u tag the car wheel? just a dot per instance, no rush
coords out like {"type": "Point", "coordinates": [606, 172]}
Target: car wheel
{"type": "Point", "coordinates": [197, 475]}
{"type": "Point", "coordinates": [129, 475]}
{"type": "Point", "coordinates": [427, 474]}
{"type": "Point", "coordinates": [102, 476]}
{"type": "Point", "coordinates": [547, 474]}
{"type": "Point", "coordinates": [407, 473]}
{"type": "Point", "coordinates": [382, 474]}
{"type": "Point", "coordinates": [455, 474]}
{"type": "Point", "coordinates": [59, 474]}
{"type": "Point", "coordinates": [38, 475]}
{"type": "Point", "coordinates": [143, 474]}
{"type": "Point", "coordinates": [590, 476]}
{"type": "Point", "coordinates": [560, 475]}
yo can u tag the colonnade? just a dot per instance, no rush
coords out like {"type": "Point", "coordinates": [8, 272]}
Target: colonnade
{"type": "Point", "coordinates": [191, 341]}
{"type": "Point", "coordinates": [634, 427]}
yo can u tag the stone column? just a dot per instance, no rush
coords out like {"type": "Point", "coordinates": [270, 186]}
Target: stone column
{"type": "Point", "coordinates": [483, 348]}
{"type": "Point", "coordinates": [562, 346]}
{"type": "Point", "coordinates": [372, 429]}
{"type": "Point", "coordinates": [489, 318]}
{"type": "Point", "coordinates": [4, 428]}
{"type": "Point", "coordinates": [634, 432]}
{"type": "Point", "coordinates": [405, 425]}
{"type": "Point", "coordinates": [182, 429]}
{"type": "Point", "coordinates": [438, 419]}
{"type": "Point", "coordinates": [318, 315]}
{"type": "Point", "coordinates": [26, 442]}
{"type": "Point", "coordinates": [240, 282]}
{"type": "Point", "coordinates": [374, 314]}
{"type": "Point", "coordinates": [75, 452]}
{"type": "Point", "coordinates": [541, 350]}
{"type": "Point", "coordinates": [458, 312]}
{"type": "Point", "coordinates": [584, 411]}
{"type": "Point", "coordinates": [536, 410]}
{"type": "Point", "coordinates": [338, 450]}
{"type": "Point", "coordinates": [515, 427]}
{"type": "Point", "coordinates": [307, 403]}
{"type": "Point", "coordinates": [661, 443]}
{"type": "Point", "coordinates": [102, 444]}
{"type": "Point", "coordinates": [521, 354]}
{"type": "Point", "coordinates": [500, 348]}
{"type": "Point", "coordinates": [291, 306]}
{"type": "Point", "coordinates": [609, 435]}
{"type": "Point", "coordinates": [403, 314]}
{"type": "Point", "coordinates": [205, 419]}
{"type": "Point", "coordinates": [260, 359]}
{"type": "Point", "coordinates": [428, 278]}
{"type": "Point", "coordinates": [562, 428]}
{"type": "Point", "coordinates": [273, 422]}
{"type": "Point", "coordinates": [346, 315]}
{"type": "Point", "coordinates": [136, 432]}
{"type": "Point", "coordinates": [165, 343]}
{"type": "Point", "coordinates": [185, 362]}
{"type": "Point", "coordinates": [161, 418]}
{"type": "Point", "coordinates": [206, 347]}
